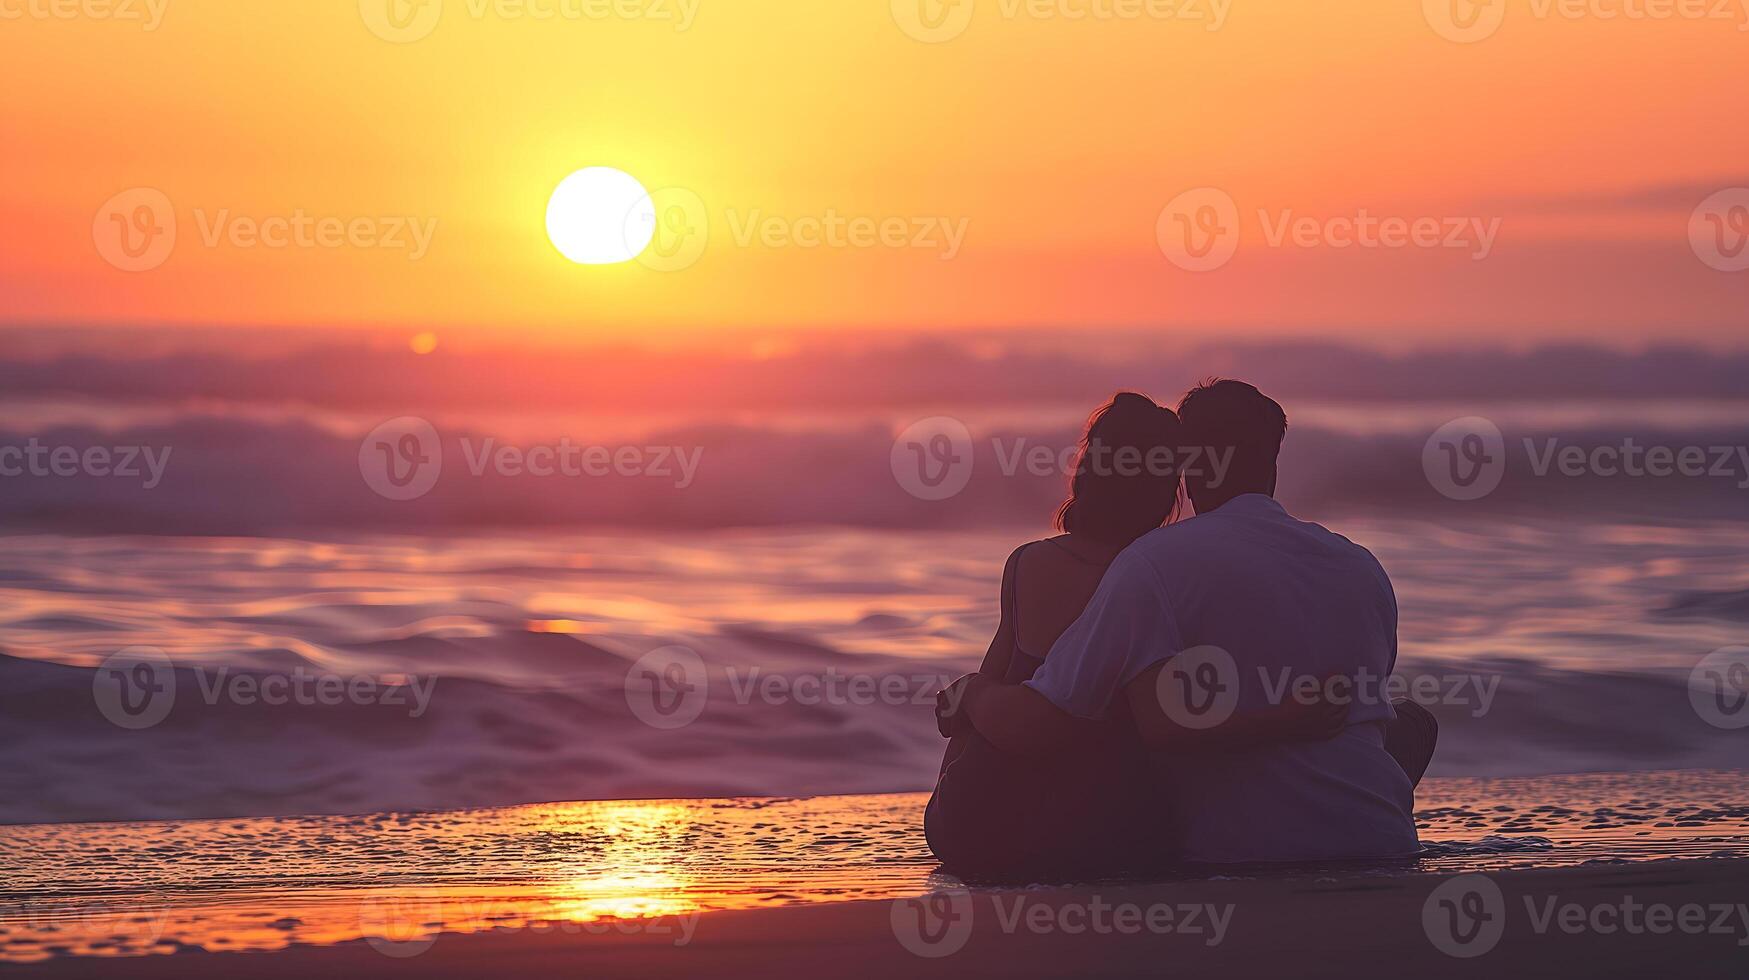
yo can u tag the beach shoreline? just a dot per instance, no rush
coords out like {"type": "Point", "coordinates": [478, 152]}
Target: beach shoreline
{"type": "Point", "coordinates": [666, 870]}
{"type": "Point", "coordinates": [1312, 926]}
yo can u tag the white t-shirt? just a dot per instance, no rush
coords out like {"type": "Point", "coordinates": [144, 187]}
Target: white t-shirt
{"type": "Point", "coordinates": [1284, 599]}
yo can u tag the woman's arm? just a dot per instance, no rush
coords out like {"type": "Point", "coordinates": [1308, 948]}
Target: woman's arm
{"type": "Point", "coordinates": [1017, 719]}
{"type": "Point", "coordinates": [950, 719]}
{"type": "Point", "coordinates": [1001, 651]}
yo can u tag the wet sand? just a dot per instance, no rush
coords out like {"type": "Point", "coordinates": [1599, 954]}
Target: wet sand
{"type": "Point", "coordinates": [266, 884]}
{"type": "Point", "coordinates": [1313, 926]}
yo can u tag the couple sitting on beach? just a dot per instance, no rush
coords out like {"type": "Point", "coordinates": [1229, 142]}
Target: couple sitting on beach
{"type": "Point", "coordinates": [1162, 693]}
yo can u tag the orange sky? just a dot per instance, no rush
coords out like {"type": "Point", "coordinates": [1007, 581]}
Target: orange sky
{"type": "Point", "coordinates": [1053, 141]}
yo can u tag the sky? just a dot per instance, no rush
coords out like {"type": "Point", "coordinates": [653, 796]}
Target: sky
{"type": "Point", "coordinates": [1383, 172]}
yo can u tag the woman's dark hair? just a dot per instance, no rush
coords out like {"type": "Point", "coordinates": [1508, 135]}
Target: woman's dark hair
{"type": "Point", "coordinates": [1126, 473]}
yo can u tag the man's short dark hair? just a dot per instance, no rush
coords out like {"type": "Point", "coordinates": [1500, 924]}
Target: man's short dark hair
{"type": "Point", "coordinates": [1220, 413]}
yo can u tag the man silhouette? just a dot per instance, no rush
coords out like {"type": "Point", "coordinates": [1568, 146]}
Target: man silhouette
{"type": "Point", "coordinates": [1222, 618]}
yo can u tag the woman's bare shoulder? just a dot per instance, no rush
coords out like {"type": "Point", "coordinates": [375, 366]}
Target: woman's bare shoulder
{"type": "Point", "coordinates": [1054, 578]}
{"type": "Point", "coordinates": [1059, 556]}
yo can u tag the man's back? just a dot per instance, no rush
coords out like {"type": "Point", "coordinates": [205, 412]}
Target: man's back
{"type": "Point", "coordinates": [1289, 603]}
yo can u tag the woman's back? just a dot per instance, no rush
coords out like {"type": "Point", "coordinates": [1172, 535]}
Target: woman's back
{"type": "Point", "coordinates": [1008, 813]}
{"type": "Point", "coordinates": [1050, 583]}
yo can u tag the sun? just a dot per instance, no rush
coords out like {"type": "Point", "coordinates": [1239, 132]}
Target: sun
{"type": "Point", "coordinates": [601, 216]}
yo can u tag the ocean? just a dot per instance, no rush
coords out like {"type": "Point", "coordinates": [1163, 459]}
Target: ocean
{"type": "Point", "coordinates": [394, 672]}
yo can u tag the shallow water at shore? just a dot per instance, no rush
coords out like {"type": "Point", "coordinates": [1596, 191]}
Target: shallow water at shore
{"type": "Point", "coordinates": [653, 866]}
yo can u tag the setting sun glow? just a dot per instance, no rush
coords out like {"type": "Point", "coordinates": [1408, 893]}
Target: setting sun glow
{"type": "Point", "coordinates": [601, 216]}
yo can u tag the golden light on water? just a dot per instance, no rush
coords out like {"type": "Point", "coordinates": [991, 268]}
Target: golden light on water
{"type": "Point", "coordinates": [648, 868]}
{"type": "Point", "coordinates": [625, 896]}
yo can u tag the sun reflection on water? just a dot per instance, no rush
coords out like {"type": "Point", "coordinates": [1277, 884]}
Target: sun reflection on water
{"type": "Point", "coordinates": [401, 881]}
